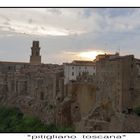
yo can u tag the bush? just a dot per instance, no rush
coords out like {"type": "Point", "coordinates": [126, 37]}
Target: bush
{"type": "Point", "coordinates": [13, 120]}
{"type": "Point", "coordinates": [137, 111]}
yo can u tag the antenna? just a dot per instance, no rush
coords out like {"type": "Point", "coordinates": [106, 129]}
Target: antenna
{"type": "Point", "coordinates": [119, 49]}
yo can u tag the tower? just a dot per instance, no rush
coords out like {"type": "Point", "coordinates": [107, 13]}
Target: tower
{"type": "Point", "coordinates": [35, 57]}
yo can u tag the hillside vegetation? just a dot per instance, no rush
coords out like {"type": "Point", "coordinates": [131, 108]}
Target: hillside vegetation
{"type": "Point", "coordinates": [13, 120]}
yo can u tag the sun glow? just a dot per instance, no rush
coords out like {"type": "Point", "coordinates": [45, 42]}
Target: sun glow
{"type": "Point", "coordinates": [90, 55]}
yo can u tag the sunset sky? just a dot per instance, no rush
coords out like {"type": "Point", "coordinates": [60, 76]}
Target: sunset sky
{"type": "Point", "coordinates": [68, 33]}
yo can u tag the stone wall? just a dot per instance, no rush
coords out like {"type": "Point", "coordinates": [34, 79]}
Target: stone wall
{"type": "Point", "coordinates": [115, 80]}
{"type": "Point", "coordinates": [136, 89]}
{"type": "Point", "coordinates": [34, 89]}
{"type": "Point", "coordinates": [82, 98]}
{"type": "Point", "coordinates": [117, 94]}
{"type": "Point", "coordinates": [91, 105]}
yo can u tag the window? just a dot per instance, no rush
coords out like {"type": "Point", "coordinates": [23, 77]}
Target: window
{"type": "Point", "coordinates": [72, 67]}
{"type": "Point", "coordinates": [72, 73]}
{"type": "Point", "coordinates": [79, 67]}
{"type": "Point", "coordinates": [76, 107]}
{"type": "Point", "coordinates": [85, 67]}
{"type": "Point", "coordinates": [41, 96]}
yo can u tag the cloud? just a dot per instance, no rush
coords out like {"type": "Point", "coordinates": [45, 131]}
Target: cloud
{"type": "Point", "coordinates": [65, 32]}
{"type": "Point", "coordinates": [62, 21]}
{"type": "Point", "coordinates": [40, 22]}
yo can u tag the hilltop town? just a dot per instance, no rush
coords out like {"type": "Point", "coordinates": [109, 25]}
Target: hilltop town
{"type": "Point", "coordinates": [99, 95]}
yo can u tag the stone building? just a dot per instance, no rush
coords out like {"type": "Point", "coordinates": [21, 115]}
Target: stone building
{"type": "Point", "coordinates": [35, 57]}
{"type": "Point", "coordinates": [33, 87]}
{"type": "Point", "coordinates": [117, 95]}
{"type": "Point", "coordinates": [136, 84]}
{"type": "Point", "coordinates": [77, 68]}
{"type": "Point", "coordinates": [91, 95]}
{"type": "Point", "coordinates": [115, 92]}
{"type": "Point", "coordinates": [116, 81]}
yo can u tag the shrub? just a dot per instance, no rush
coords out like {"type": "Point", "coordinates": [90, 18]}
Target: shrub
{"type": "Point", "coordinates": [13, 120]}
{"type": "Point", "coordinates": [137, 111]}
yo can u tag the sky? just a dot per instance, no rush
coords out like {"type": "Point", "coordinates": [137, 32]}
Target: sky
{"type": "Point", "coordinates": [67, 34]}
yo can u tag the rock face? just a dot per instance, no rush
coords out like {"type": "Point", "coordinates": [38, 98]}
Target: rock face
{"type": "Point", "coordinates": [34, 107]}
{"type": "Point", "coordinates": [35, 89]}
{"type": "Point", "coordinates": [124, 123]}
{"type": "Point", "coordinates": [98, 119]}
{"type": "Point", "coordinates": [102, 104]}
{"type": "Point", "coordinates": [82, 99]}
{"type": "Point", "coordinates": [63, 113]}
{"type": "Point", "coordinates": [104, 119]}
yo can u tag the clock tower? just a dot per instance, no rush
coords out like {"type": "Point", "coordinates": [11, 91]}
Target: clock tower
{"type": "Point", "coordinates": [35, 57]}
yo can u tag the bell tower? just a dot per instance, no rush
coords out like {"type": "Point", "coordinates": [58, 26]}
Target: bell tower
{"type": "Point", "coordinates": [35, 57]}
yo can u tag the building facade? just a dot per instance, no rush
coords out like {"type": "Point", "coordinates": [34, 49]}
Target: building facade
{"type": "Point", "coordinates": [116, 81]}
{"type": "Point", "coordinates": [77, 68]}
